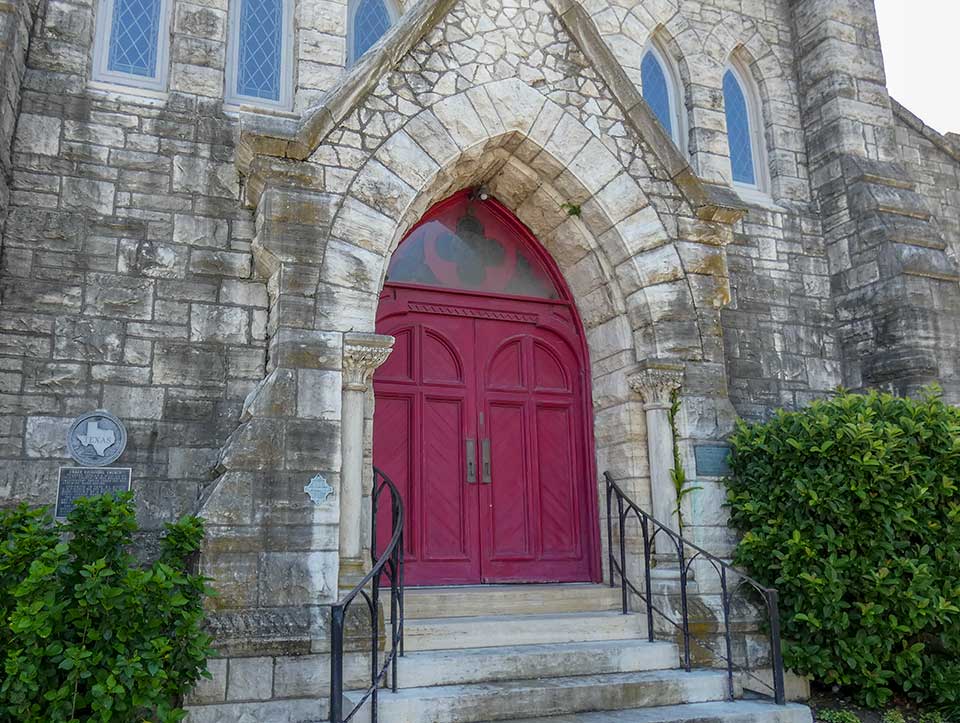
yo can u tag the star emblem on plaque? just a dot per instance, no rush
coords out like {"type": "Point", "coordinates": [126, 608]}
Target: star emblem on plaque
{"type": "Point", "coordinates": [96, 439]}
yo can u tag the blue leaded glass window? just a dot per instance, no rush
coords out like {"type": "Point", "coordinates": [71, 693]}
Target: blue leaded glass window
{"type": "Point", "coordinates": [371, 20]}
{"type": "Point", "coordinates": [656, 90]}
{"type": "Point", "coordinates": [260, 49]}
{"type": "Point", "coordinates": [739, 132]}
{"type": "Point", "coordinates": [134, 37]}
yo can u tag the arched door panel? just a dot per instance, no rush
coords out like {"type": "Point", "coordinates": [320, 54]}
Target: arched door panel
{"type": "Point", "coordinates": [422, 420]}
{"type": "Point", "coordinates": [534, 522]}
{"type": "Point", "coordinates": [482, 412]}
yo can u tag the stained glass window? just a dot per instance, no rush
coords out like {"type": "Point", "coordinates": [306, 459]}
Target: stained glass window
{"type": "Point", "coordinates": [134, 37]}
{"type": "Point", "coordinates": [260, 49]}
{"type": "Point", "coordinates": [371, 20]}
{"type": "Point", "coordinates": [656, 91]}
{"type": "Point", "coordinates": [739, 132]}
{"type": "Point", "coordinates": [473, 246]}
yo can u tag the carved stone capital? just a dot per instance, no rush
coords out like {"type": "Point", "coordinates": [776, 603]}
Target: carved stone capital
{"type": "Point", "coordinates": [655, 382]}
{"type": "Point", "coordinates": [362, 354]}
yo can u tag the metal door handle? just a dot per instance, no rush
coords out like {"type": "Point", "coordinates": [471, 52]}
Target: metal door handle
{"type": "Point", "coordinates": [471, 462]}
{"type": "Point", "coordinates": [485, 452]}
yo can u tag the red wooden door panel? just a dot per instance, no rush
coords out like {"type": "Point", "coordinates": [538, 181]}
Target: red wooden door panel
{"type": "Point", "coordinates": [425, 406]}
{"type": "Point", "coordinates": [534, 523]}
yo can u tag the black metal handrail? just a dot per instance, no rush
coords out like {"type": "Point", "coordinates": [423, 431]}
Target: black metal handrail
{"type": "Point", "coordinates": [390, 564]}
{"type": "Point", "coordinates": [625, 508]}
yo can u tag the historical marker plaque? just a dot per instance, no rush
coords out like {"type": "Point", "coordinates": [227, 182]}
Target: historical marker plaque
{"type": "Point", "coordinates": [712, 460]}
{"type": "Point", "coordinates": [96, 439]}
{"type": "Point", "coordinates": [77, 482]}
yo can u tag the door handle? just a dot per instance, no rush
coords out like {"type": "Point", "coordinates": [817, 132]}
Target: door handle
{"type": "Point", "coordinates": [471, 462]}
{"type": "Point", "coordinates": [485, 452]}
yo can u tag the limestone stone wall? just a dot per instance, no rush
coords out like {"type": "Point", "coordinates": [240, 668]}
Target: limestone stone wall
{"type": "Point", "coordinates": [893, 284]}
{"type": "Point", "coordinates": [778, 339]}
{"type": "Point", "coordinates": [933, 161]}
{"type": "Point", "coordinates": [16, 20]}
{"type": "Point", "coordinates": [127, 282]}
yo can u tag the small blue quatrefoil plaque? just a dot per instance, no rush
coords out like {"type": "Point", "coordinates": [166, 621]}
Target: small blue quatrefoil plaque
{"type": "Point", "coordinates": [318, 489]}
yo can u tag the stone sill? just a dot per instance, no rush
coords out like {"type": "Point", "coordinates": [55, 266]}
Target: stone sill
{"type": "Point", "coordinates": [128, 93]}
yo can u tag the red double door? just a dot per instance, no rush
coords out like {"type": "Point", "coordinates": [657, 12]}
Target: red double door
{"type": "Point", "coordinates": [480, 421]}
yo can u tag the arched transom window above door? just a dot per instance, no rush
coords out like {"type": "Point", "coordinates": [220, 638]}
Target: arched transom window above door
{"type": "Point", "coordinates": [471, 245]}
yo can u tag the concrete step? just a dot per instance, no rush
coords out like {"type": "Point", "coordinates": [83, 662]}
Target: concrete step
{"type": "Point", "coordinates": [494, 631]}
{"type": "Point", "coordinates": [545, 697]}
{"type": "Point", "coordinates": [741, 711]}
{"type": "Point", "coordinates": [465, 601]}
{"type": "Point", "coordinates": [523, 662]}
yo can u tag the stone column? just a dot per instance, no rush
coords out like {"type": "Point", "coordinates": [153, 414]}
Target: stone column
{"type": "Point", "coordinates": [362, 354]}
{"type": "Point", "coordinates": [655, 382]}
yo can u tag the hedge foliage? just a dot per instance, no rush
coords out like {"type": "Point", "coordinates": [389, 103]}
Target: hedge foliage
{"type": "Point", "coordinates": [87, 633]}
{"type": "Point", "coordinates": [851, 509]}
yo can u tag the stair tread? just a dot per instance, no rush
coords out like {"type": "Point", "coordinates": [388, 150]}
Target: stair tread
{"type": "Point", "coordinates": [504, 687]}
{"type": "Point", "coordinates": [515, 617]}
{"type": "Point", "coordinates": [519, 588]}
{"type": "Point", "coordinates": [726, 711]}
{"type": "Point", "coordinates": [534, 648]}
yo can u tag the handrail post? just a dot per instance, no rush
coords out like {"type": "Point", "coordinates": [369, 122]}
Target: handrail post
{"type": "Point", "coordinates": [726, 630]}
{"type": "Point", "coordinates": [336, 664]}
{"type": "Point", "coordinates": [400, 594]}
{"type": "Point", "coordinates": [779, 686]}
{"type": "Point", "coordinates": [606, 477]}
{"type": "Point", "coordinates": [394, 623]}
{"type": "Point", "coordinates": [647, 561]}
{"type": "Point", "coordinates": [622, 521]}
{"type": "Point", "coordinates": [683, 604]}
{"type": "Point", "coordinates": [375, 647]}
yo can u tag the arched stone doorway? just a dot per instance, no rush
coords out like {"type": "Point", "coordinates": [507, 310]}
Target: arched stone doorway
{"type": "Point", "coordinates": [483, 409]}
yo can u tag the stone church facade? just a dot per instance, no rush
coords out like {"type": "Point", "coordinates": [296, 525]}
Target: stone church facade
{"type": "Point", "coordinates": [211, 272]}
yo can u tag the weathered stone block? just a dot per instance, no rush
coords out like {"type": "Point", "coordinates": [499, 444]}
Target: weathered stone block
{"type": "Point", "coordinates": [227, 325]}
{"type": "Point", "coordinates": [318, 394]}
{"type": "Point", "coordinates": [175, 362]}
{"type": "Point", "coordinates": [46, 437]}
{"type": "Point", "coordinates": [119, 296]}
{"type": "Point", "coordinates": [88, 339]}
{"type": "Point", "coordinates": [38, 134]}
{"type": "Point", "coordinates": [88, 195]}
{"type": "Point", "coordinates": [275, 396]}
{"type": "Point", "coordinates": [250, 679]}
{"type": "Point", "coordinates": [298, 578]}
{"type": "Point", "coordinates": [200, 230]}
{"type": "Point", "coordinates": [257, 445]}
{"type": "Point", "coordinates": [244, 293]}
{"type": "Point", "coordinates": [306, 349]}
{"type": "Point", "coordinates": [156, 260]}
{"type": "Point", "coordinates": [134, 402]}
{"type": "Point", "coordinates": [220, 263]}
{"type": "Point", "coordinates": [212, 689]}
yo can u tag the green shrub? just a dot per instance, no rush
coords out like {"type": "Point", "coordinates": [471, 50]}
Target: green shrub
{"type": "Point", "coordinates": [88, 634]}
{"type": "Point", "coordinates": [851, 509]}
{"type": "Point", "coordinates": [837, 716]}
